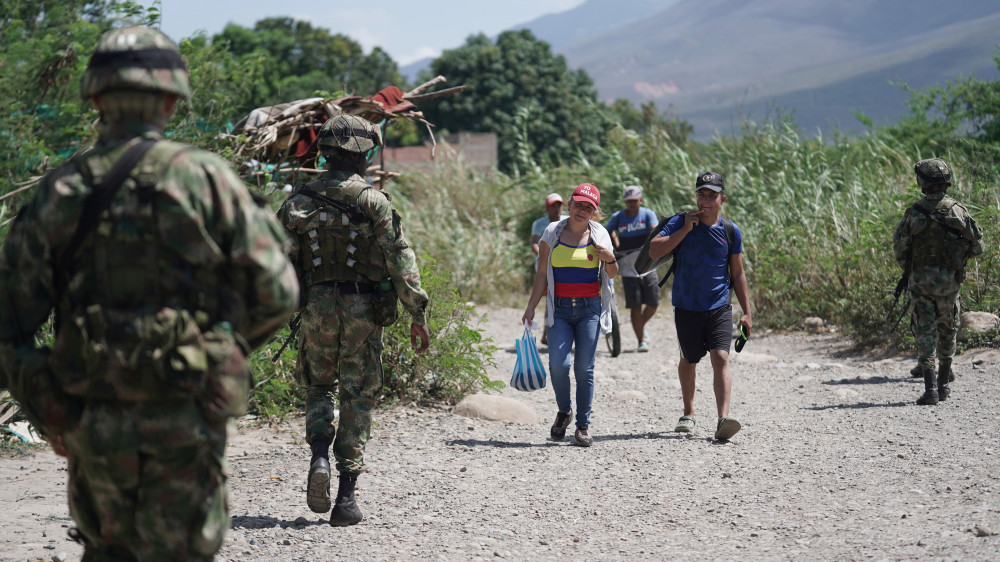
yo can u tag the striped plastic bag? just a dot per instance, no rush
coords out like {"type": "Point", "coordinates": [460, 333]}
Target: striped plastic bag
{"type": "Point", "coordinates": [529, 374]}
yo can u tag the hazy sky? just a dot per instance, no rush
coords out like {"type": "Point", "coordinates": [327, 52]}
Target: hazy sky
{"type": "Point", "coordinates": [408, 31]}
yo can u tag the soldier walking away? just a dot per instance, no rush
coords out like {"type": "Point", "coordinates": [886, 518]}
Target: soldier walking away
{"type": "Point", "coordinates": [164, 273]}
{"type": "Point", "coordinates": [932, 244]}
{"type": "Point", "coordinates": [353, 263]}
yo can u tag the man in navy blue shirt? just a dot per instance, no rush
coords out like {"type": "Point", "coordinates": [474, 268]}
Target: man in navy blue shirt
{"type": "Point", "coordinates": [707, 267]}
{"type": "Point", "coordinates": [629, 228]}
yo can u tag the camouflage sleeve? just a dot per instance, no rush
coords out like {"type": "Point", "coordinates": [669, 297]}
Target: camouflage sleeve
{"type": "Point", "coordinates": [901, 241]}
{"type": "Point", "coordinates": [399, 257]}
{"type": "Point", "coordinates": [27, 277]}
{"type": "Point", "coordinates": [975, 234]}
{"type": "Point", "coordinates": [27, 297]}
{"type": "Point", "coordinates": [293, 247]}
{"type": "Point", "coordinates": [251, 239]}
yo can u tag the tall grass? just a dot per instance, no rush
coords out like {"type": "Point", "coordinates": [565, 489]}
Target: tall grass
{"type": "Point", "coordinates": [816, 214]}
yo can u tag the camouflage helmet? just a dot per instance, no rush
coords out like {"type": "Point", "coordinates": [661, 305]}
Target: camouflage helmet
{"type": "Point", "coordinates": [350, 133]}
{"type": "Point", "coordinates": [135, 58]}
{"type": "Point", "coordinates": [932, 171]}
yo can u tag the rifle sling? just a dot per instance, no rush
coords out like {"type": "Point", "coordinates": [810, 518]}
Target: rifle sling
{"type": "Point", "coordinates": [930, 215]}
{"type": "Point", "coordinates": [352, 210]}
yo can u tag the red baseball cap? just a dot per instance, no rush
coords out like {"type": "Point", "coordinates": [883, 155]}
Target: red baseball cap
{"type": "Point", "coordinates": [588, 193]}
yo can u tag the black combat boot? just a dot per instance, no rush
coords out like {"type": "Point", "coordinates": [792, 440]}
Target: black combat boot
{"type": "Point", "coordinates": [944, 368]}
{"type": "Point", "coordinates": [930, 395]}
{"type": "Point", "coordinates": [345, 511]}
{"type": "Point", "coordinates": [318, 484]}
{"type": "Point", "coordinates": [944, 377]}
{"type": "Point", "coordinates": [916, 372]}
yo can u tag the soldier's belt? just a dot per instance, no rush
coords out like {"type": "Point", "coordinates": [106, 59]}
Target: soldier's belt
{"type": "Point", "coordinates": [351, 288]}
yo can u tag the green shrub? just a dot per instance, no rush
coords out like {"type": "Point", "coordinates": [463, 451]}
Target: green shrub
{"type": "Point", "coordinates": [453, 366]}
{"type": "Point", "coordinates": [276, 394]}
{"type": "Point", "coordinates": [455, 363]}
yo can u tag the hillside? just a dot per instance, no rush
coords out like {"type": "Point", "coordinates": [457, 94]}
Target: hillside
{"type": "Point", "coordinates": [821, 59]}
{"type": "Point", "coordinates": [592, 19]}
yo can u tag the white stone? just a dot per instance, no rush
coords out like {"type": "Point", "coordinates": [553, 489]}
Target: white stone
{"type": "Point", "coordinates": [977, 322]}
{"type": "Point", "coordinates": [813, 324]}
{"type": "Point", "coordinates": [495, 408]}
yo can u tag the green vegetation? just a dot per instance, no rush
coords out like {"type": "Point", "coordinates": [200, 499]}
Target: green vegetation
{"type": "Point", "coordinates": [297, 60]}
{"type": "Point", "coordinates": [454, 365]}
{"type": "Point", "coordinates": [520, 72]}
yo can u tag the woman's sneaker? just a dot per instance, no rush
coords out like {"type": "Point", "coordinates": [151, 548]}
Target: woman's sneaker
{"type": "Point", "coordinates": [559, 427]}
{"type": "Point", "coordinates": [583, 437]}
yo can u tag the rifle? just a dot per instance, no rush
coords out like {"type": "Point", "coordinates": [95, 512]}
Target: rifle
{"type": "Point", "coordinates": [900, 287]}
{"type": "Point", "coordinates": [904, 282]}
{"type": "Point", "coordinates": [294, 325]}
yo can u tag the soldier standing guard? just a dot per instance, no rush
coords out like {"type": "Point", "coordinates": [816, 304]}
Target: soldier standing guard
{"type": "Point", "coordinates": [352, 261]}
{"type": "Point", "coordinates": [164, 273]}
{"type": "Point", "coordinates": [932, 244]}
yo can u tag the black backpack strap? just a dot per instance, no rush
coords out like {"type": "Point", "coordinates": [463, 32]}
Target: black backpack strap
{"type": "Point", "coordinates": [670, 271]}
{"type": "Point", "coordinates": [100, 198]}
{"type": "Point", "coordinates": [730, 240]}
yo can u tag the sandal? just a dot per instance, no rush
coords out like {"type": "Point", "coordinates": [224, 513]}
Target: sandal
{"type": "Point", "coordinates": [727, 428]}
{"type": "Point", "coordinates": [685, 425]}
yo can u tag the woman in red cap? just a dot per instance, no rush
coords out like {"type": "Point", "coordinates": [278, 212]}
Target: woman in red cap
{"type": "Point", "coordinates": [575, 260]}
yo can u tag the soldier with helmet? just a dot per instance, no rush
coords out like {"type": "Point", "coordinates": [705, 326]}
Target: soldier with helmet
{"type": "Point", "coordinates": [164, 273]}
{"type": "Point", "coordinates": [932, 244]}
{"type": "Point", "coordinates": [353, 263]}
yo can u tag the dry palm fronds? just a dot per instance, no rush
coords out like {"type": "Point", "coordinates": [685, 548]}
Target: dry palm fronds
{"type": "Point", "coordinates": [281, 138]}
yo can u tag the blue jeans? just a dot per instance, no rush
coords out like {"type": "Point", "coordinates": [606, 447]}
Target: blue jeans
{"type": "Point", "coordinates": [579, 321]}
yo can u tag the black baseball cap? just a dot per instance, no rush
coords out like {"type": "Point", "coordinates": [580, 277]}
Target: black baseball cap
{"type": "Point", "coordinates": [711, 180]}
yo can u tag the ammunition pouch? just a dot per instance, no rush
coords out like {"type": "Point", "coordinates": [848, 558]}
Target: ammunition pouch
{"type": "Point", "coordinates": [129, 357]}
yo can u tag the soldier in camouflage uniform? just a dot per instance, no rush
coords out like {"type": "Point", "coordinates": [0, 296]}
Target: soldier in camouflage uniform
{"type": "Point", "coordinates": [353, 262]}
{"type": "Point", "coordinates": [159, 295]}
{"type": "Point", "coordinates": [932, 243]}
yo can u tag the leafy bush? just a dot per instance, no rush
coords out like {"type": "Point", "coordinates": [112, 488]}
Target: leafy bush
{"type": "Point", "coordinates": [276, 394]}
{"type": "Point", "coordinates": [455, 363]}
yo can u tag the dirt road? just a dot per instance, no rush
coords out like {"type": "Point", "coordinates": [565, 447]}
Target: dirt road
{"type": "Point", "coordinates": [835, 461]}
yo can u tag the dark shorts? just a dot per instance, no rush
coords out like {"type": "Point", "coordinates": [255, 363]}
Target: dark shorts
{"type": "Point", "coordinates": [699, 332]}
{"type": "Point", "coordinates": [641, 291]}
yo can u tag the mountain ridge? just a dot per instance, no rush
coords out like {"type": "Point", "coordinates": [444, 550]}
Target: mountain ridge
{"type": "Point", "coordinates": [703, 57]}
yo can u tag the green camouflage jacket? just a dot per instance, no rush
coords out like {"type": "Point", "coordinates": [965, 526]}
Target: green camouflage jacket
{"type": "Point", "coordinates": [400, 260]}
{"type": "Point", "coordinates": [206, 217]}
{"type": "Point", "coordinates": [964, 241]}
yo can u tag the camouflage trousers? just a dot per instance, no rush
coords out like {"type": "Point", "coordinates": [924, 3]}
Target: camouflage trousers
{"type": "Point", "coordinates": [934, 325]}
{"type": "Point", "coordinates": [340, 360]}
{"type": "Point", "coordinates": [148, 482]}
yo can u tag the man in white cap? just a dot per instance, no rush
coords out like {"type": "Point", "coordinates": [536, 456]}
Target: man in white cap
{"type": "Point", "coordinates": [553, 212]}
{"type": "Point", "coordinates": [629, 228]}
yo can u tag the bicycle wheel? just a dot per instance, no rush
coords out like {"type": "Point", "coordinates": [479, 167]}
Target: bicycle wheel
{"type": "Point", "coordinates": [614, 337]}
